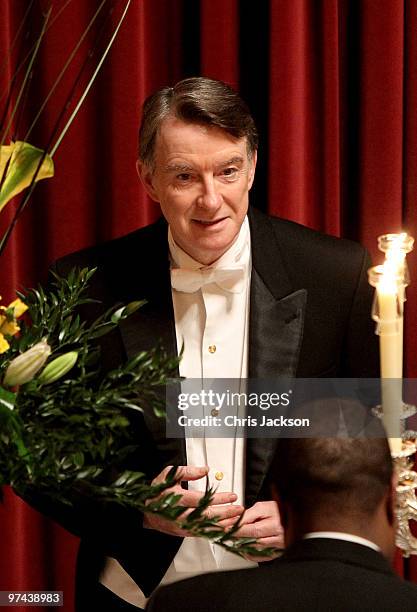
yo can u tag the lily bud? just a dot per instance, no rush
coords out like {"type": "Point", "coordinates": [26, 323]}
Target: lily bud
{"type": "Point", "coordinates": [23, 368]}
{"type": "Point", "coordinates": [58, 368]}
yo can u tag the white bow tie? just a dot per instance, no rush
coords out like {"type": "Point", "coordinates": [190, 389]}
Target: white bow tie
{"type": "Point", "coordinates": [188, 281]}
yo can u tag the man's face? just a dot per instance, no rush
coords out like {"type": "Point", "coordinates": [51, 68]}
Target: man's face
{"type": "Point", "coordinates": [201, 179]}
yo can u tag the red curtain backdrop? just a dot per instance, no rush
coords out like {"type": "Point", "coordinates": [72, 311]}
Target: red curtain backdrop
{"type": "Point", "coordinates": [333, 88]}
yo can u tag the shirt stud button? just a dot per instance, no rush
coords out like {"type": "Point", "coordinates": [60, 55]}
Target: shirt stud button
{"type": "Point", "coordinates": [212, 348]}
{"type": "Point", "coordinates": [215, 412]}
{"type": "Point", "coordinates": [219, 475]}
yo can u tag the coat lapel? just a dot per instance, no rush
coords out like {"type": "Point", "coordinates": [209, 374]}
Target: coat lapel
{"type": "Point", "coordinates": [275, 334]}
{"type": "Point", "coordinates": [154, 323]}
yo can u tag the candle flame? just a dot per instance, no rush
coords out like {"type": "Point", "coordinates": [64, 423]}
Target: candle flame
{"type": "Point", "coordinates": [388, 283]}
{"type": "Point", "coordinates": [396, 252]}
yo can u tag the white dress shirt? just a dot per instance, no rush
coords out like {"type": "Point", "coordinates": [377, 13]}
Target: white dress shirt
{"type": "Point", "coordinates": [347, 537]}
{"type": "Point", "coordinates": [212, 323]}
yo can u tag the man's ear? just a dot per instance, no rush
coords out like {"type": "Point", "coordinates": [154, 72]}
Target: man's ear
{"type": "Point", "coordinates": [252, 168]}
{"type": "Point", "coordinates": [146, 176]}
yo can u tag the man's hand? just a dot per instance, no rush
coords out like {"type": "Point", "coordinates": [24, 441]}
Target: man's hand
{"type": "Point", "coordinates": [262, 522]}
{"type": "Point", "coordinates": [190, 499]}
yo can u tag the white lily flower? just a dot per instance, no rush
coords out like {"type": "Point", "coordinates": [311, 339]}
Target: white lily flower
{"type": "Point", "coordinates": [23, 368]}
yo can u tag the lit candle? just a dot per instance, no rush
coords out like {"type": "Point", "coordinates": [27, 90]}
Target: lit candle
{"type": "Point", "coordinates": [390, 319]}
{"type": "Point", "coordinates": [389, 315]}
{"type": "Point", "coordinates": [396, 247]}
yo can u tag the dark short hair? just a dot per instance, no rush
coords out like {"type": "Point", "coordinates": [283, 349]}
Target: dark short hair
{"type": "Point", "coordinates": [196, 100]}
{"type": "Point", "coordinates": [338, 474]}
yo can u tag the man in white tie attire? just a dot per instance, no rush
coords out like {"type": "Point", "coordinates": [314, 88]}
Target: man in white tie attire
{"type": "Point", "coordinates": [249, 296]}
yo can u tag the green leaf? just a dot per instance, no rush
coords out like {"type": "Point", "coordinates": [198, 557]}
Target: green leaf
{"type": "Point", "coordinates": [78, 459]}
{"type": "Point", "coordinates": [23, 160]}
{"type": "Point", "coordinates": [11, 423]}
{"type": "Point", "coordinates": [7, 399]}
{"type": "Point", "coordinates": [102, 330]}
{"type": "Point", "coordinates": [126, 311]}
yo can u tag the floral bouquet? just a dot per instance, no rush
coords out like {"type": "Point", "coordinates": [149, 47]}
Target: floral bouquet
{"type": "Point", "coordinates": [63, 422]}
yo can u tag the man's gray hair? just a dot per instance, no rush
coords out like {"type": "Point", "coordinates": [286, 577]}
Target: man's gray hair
{"type": "Point", "coordinates": [200, 101]}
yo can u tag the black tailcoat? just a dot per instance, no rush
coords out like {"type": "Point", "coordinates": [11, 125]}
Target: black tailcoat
{"type": "Point", "coordinates": [310, 310]}
{"type": "Point", "coordinates": [322, 575]}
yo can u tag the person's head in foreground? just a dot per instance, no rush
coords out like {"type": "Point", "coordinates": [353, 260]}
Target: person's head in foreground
{"type": "Point", "coordinates": [197, 158]}
{"type": "Point", "coordinates": [336, 498]}
{"type": "Point", "coordinates": [340, 484]}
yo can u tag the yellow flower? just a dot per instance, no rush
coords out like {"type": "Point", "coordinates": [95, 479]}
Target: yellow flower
{"type": "Point", "coordinates": [4, 345]}
{"type": "Point", "coordinates": [8, 325]}
{"type": "Point", "coordinates": [20, 161]}
{"type": "Point", "coordinates": [8, 328]}
{"type": "Point", "coordinates": [19, 307]}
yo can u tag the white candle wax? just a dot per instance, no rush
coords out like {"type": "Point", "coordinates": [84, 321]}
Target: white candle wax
{"type": "Point", "coordinates": [390, 342]}
{"type": "Point", "coordinates": [395, 261]}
